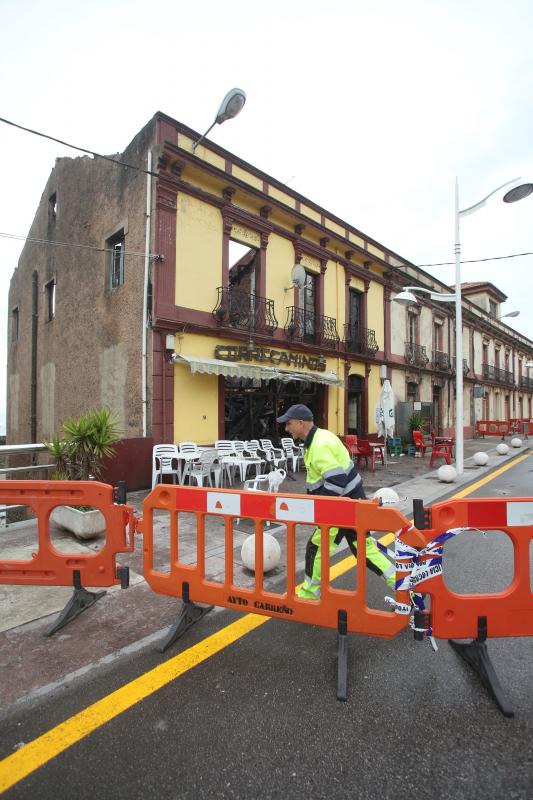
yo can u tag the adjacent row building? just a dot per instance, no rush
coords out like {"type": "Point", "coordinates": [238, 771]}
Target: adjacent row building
{"type": "Point", "coordinates": [197, 297]}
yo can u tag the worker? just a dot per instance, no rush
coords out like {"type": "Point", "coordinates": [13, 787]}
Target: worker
{"type": "Point", "coordinates": [330, 471]}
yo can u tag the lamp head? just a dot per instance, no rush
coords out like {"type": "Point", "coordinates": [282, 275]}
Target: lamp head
{"type": "Point", "coordinates": [231, 105]}
{"type": "Point", "coordinates": [518, 193]}
{"type": "Point", "coordinates": [510, 314]}
{"type": "Point", "coordinates": [406, 297]}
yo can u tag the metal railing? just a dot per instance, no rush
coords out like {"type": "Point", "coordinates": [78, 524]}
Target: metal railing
{"type": "Point", "coordinates": [525, 382]}
{"type": "Point", "coordinates": [492, 373]}
{"type": "Point", "coordinates": [236, 308]}
{"type": "Point", "coordinates": [18, 453]}
{"type": "Point", "coordinates": [441, 360]}
{"type": "Point", "coordinates": [306, 326]}
{"type": "Point", "coordinates": [466, 368]}
{"type": "Point", "coordinates": [360, 340]}
{"type": "Point", "coordinates": [416, 355]}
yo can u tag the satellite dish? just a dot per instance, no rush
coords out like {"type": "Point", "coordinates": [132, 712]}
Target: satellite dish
{"type": "Point", "coordinates": [298, 276]}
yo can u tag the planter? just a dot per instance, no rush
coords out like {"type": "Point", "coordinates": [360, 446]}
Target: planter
{"type": "Point", "coordinates": [83, 524]}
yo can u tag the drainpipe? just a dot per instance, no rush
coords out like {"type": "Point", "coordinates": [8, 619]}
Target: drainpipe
{"type": "Point", "coordinates": [34, 321]}
{"type": "Point", "coordinates": [145, 292]}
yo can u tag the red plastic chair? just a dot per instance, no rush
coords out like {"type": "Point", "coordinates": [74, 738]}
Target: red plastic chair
{"type": "Point", "coordinates": [350, 442]}
{"type": "Point", "coordinates": [422, 443]}
{"type": "Point", "coordinates": [443, 451]}
{"type": "Point", "coordinates": [364, 451]}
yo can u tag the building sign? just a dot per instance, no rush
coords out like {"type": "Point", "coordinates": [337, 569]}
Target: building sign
{"type": "Point", "coordinates": [264, 355]}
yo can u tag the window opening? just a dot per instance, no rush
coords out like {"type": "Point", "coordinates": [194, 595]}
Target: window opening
{"type": "Point", "coordinates": [50, 294]}
{"type": "Point", "coordinates": [15, 324]}
{"type": "Point", "coordinates": [116, 245]}
{"type": "Point", "coordinates": [309, 306]}
{"type": "Point", "coordinates": [52, 205]}
{"type": "Point", "coordinates": [243, 273]}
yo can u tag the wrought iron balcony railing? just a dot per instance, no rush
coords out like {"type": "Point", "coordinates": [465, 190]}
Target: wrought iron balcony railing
{"type": "Point", "coordinates": [493, 373]}
{"type": "Point", "coordinates": [466, 368]}
{"type": "Point", "coordinates": [416, 355]}
{"type": "Point", "coordinates": [306, 326]}
{"type": "Point", "coordinates": [441, 360]}
{"type": "Point", "coordinates": [525, 382]}
{"type": "Point", "coordinates": [249, 312]}
{"type": "Point", "coordinates": [360, 340]}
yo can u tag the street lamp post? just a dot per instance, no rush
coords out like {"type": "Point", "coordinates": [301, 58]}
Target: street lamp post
{"type": "Point", "coordinates": [517, 192]}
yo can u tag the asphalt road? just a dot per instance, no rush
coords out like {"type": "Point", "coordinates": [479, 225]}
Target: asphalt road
{"type": "Point", "coordinates": [260, 719]}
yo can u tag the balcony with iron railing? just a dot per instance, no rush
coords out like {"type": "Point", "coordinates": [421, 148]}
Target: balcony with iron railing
{"type": "Point", "coordinates": [306, 326]}
{"type": "Point", "coordinates": [245, 311]}
{"type": "Point", "coordinates": [360, 340]}
{"type": "Point", "coordinates": [525, 382]}
{"type": "Point", "coordinates": [441, 361]}
{"type": "Point", "coordinates": [416, 355]}
{"type": "Point", "coordinates": [492, 373]}
{"type": "Point", "coordinates": [466, 368]}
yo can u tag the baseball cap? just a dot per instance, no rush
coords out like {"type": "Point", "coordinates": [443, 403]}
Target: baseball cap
{"type": "Point", "coordinates": [298, 411]}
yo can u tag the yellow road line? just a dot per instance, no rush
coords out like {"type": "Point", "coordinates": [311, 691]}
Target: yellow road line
{"type": "Point", "coordinates": [38, 752]}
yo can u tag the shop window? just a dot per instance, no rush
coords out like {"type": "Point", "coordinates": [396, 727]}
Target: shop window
{"type": "Point", "coordinates": [355, 405]}
{"type": "Point", "coordinates": [15, 324]}
{"type": "Point", "coordinates": [116, 246]}
{"type": "Point", "coordinates": [50, 300]}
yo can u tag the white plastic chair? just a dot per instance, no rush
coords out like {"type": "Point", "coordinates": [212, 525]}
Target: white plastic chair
{"type": "Point", "coordinates": [292, 451]}
{"type": "Point", "coordinates": [273, 454]}
{"type": "Point", "coordinates": [227, 458]}
{"type": "Point", "coordinates": [247, 458]}
{"type": "Point", "coordinates": [266, 483]}
{"type": "Point", "coordinates": [188, 453]}
{"type": "Point", "coordinates": [165, 462]}
{"type": "Point", "coordinates": [203, 468]}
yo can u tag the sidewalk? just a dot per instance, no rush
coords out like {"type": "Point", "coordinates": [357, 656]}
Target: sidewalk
{"type": "Point", "coordinates": [133, 619]}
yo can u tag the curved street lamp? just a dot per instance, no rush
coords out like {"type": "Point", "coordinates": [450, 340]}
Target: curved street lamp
{"type": "Point", "coordinates": [518, 191]}
{"type": "Point", "coordinates": [231, 105]}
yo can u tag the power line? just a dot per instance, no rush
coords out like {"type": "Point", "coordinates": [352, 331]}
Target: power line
{"type": "Point", "coordinates": [81, 149]}
{"type": "Point", "coordinates": [474, 260]}
{"type": "Point", "coordinates": [154, 256]}
{"type": "Point", "coordinates": [157, 257]}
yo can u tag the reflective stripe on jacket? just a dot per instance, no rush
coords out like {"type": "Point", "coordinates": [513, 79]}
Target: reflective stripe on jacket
{"type": "Point", "coordinates": [330, 469]}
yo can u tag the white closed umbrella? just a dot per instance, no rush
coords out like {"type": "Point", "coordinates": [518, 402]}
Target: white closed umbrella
{"type": "Point", "coordinates": [385, 411]}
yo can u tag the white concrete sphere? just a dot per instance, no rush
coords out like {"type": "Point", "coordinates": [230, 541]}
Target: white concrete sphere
{"type": "Point", "coordinates": [481, 458]}
{"type": "Point", "coordinates": [447, 473]}
{"type": "Point", "coordinates": [516, 442]}
{"type": "Point", "coordinates": [271, 552]}
{"type": "Point", "coordinates": [388, 496]}
{"type": "Point", "coordinates": [502, 449]}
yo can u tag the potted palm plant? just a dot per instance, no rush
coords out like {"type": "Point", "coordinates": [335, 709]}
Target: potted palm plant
{"type": "Point", "coordinates": [79, 452]}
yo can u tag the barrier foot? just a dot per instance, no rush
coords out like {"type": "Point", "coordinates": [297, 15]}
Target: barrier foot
{"type": "Point", "coordinates": [342, 657]}
{"type": "Point", "coordinates": [475, 654]}
{"type": "Point", "coordinates": [81, 600]}
{"type": "Point", "coordinates": [189, 614]}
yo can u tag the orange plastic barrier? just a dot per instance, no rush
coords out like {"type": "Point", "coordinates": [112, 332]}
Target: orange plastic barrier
{"type": "Point", "coordinates": [323, 512]}
{"type": "Point", "coordinates": [487, 427]}
{"type": "Point", "coordinates": [48, 566]}
{"type": "Point", "coordinates": [507, 613]}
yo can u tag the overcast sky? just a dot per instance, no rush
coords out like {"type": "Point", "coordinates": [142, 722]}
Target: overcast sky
{"type": "Point", "coordinates": [369, 108]}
